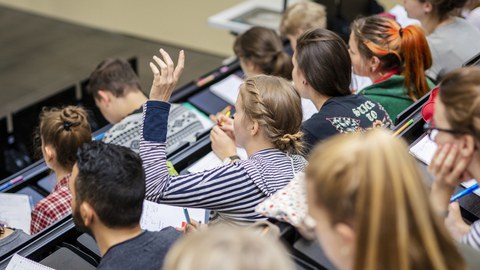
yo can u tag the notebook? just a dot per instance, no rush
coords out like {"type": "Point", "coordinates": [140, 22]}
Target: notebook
{"type": "Point", "coordinates": [21, 263]}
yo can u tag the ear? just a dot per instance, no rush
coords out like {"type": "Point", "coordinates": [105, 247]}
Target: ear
{"type": "Point", "coordinates": [49, 153]}
{"type": "Point", "coordinates": [427, 7]}
{"type": "Point", "coordinates": [88, 213]}
{"type": "Point", "coordinates": [374, 64]}
{"type": "Point", "coordinates": [467, 146]}
{"type": "Point", "coordinates": [346, 235]}
{"type": "Point", "coordinates": [254, 128]}
{"type": "Point", "coordinates": [104, 96]}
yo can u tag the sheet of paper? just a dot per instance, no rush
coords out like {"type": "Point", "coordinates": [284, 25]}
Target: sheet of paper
{"type": "Point", "coordinates": [210, 161]}
{"type": "Point", "coordinates": [424, 150]}
{"type": "Point", "coordinates": [228, 88]}
{"type": "Point", "coordinates": [15, 210]}
{"type": "Point", "coordinates": [21, 263]}
{"type": "Point", "coordinates": [158, 216]}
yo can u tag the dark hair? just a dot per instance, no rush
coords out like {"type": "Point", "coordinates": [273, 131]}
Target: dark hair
{"type": "Point", "coordinates": [65, 129]}
{"type": "Point", "coordinates": [114, 75]}
{"type": "Point", "coordinates": [443, 8]}
{"type": "Point", "coordinates": [397, 48]}
{"type": "Point", "coordinates": [264, 48]}
{"type": "Point", "coordinates": [111, 179]}
{"type": "Point", "coordinates": [322, 57]}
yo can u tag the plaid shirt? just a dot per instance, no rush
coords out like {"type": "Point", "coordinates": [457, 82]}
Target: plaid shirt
{"type": "Point", "coordinates": [52, 208]}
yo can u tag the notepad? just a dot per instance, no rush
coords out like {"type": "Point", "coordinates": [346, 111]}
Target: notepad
{"type": "Point", "coordinates": [210, 161]}
{"type": "Point", "coordinates": [424, 150]}
{"type": "Point", "coordinates": [228, 88]}
{"type": "Point", "coordinates": [21, 263]}
{"type": "Point", "coordinates": [15, 210]}
{"type": "Point", "coordinates": [156, 216]}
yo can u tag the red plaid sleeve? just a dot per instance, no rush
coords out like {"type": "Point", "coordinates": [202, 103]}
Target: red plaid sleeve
{"type": "Point", "coordinates": [52, 208]}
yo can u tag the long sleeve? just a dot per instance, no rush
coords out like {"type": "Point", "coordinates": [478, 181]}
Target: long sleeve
{"type": "Point", "coordinates": [227, 188]}
{"type": "Point", "coordinates": [472, 238]}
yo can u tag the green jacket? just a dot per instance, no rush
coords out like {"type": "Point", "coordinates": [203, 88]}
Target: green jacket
{"type": "Point", "coordinates": [391, 94]}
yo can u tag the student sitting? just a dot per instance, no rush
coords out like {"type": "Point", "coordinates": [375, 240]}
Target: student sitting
{"type": "Point", "coordinates": [10, 238]}
{"type": "Point", "coordinates": [455, 128]}
{"type": "Point", "coordinates": [228, 248]}
{"type": "Point", "coordinates": [300, 17]}
{"type": "Point", "coordinates": [452, 40]}
{"type": "Point", "coordinates": [322, 73]}
{"type": "Point", "coordinates": [371, 206]}
{"type": "Point", "coordinates": [117, 93]}
{"type": "Point", "coordinates": [260, 51]}
{"type": "Point", "coordinates": [61, 132]}
{"type": "Point", "coordinates": [108, 189]}
{"type": "Point", "coordinates": [267, 124]}
{"type": "Point", "coordinates": [394, 58]}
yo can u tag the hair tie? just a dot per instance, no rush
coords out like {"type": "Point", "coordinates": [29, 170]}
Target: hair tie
{"type": "Point", "coordinates": [400, 31]}
{"type": "Point", "coordinates": [67, 125]}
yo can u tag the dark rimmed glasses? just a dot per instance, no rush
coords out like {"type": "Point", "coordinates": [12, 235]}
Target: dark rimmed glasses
{"type": "Point", "coordinates": [432, 131]}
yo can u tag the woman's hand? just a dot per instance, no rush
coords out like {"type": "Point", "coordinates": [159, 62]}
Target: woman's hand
{"type": "Point", "coordinates": [222, 145]}
{"type": "Point", "coordinates": [224, 123]}
{"type": "Point", "coordinates": [447, 167]}
{"type": "Point", "coordinates": [165, 79]}
{"type": "Point", "coordinates": [454, 222]}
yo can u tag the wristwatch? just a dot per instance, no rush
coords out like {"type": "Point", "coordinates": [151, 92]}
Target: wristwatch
{"type": "Point", "coordinates": [230, 159]}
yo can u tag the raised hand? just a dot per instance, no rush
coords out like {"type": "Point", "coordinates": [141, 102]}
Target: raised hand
{"type": "Point", "coordinates": [165, 79]}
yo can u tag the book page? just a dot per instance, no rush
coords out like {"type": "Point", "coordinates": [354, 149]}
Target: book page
{"type": "Point", "coordinates": [21, 263]}
{"type": "Point", "coordinates": [15, 210]}
{"type": "Point", "coordinates": [156, 216]}
{"type": "Point", "coordinates": [424, 150]}
{"type": "Point", "coordinates": [228, 88]}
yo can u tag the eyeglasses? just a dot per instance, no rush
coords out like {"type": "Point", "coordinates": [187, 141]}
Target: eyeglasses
{"type": "Point", "coordinates": [432, 132]}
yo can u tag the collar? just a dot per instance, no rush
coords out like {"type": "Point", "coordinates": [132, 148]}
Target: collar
{"type": "Point", "coordinates": [388, 75]}
{"type": "Point", "coordinates": [63, 182]}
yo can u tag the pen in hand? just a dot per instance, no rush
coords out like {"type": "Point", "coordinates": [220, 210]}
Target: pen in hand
{"type": "Point", "coordinates": [464, 192]}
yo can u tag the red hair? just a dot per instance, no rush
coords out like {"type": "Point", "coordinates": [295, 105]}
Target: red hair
{"type": "Point", "coordinates": [397, 48]}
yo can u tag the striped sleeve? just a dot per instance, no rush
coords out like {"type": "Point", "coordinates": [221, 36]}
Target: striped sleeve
{"type": "Point", "coordinates": [226, 188]}
{"type": "Point", "coordinates": [472, 238]}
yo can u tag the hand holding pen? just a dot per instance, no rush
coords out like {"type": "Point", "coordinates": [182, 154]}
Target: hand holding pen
{"type": "Point", "coordinates": [224, 122]}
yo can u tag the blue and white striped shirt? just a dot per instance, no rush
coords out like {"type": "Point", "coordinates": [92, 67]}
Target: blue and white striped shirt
{"type": "Point", "coordinates": [472, 238]}
{"type": "Point", "coordinates": [232, 190]}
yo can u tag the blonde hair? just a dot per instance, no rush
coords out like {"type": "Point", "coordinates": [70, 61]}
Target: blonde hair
{"type": "Point", "coordinates": [378, 189]}
{"type": "Point", "coordinates": [228, 248]}
{"type": "Point", "coordinates": [303, 16]}
{"type": "Point", "coordinates": [276, 106]}
{"type": "Point", "coordinates": [460, 93]}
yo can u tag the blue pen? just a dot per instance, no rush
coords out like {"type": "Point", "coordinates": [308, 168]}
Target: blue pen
{"type": "Point", "coordinates": [11, 182]}
{"type": "Point", "coordinates": [187, 216]}
{"type": "Point", "coordinates": [464, 192]}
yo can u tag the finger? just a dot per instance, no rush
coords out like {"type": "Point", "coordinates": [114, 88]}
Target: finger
{"type": "Point", "coordinates": [438, 158]}
{"type": "Point", "coordinates": [168, 61]}
{"type": "Point", "coordinates": [213, 118]}
{"type": "Point", "coordinates": [163, 68]}
{"type": "Point", "coordinates": [449, 163]}
{"type": "Point", "coordinates": [180, 65]}
{"type": "Point", "coordinates": [154, 69]}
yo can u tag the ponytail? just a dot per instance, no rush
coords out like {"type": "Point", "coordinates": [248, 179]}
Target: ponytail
{"type": "Point", "coordinates": [282, 65]}
{"type": "Point", "coordinates": [417, 58]}
{"type": "Point", "coordinates": [397, 48]}
{"type": "Point", "coordinates": [291, 143]}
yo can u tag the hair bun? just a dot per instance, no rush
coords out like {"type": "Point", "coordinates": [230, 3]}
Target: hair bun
{"type": "Point", "coordinates": [72, 116]}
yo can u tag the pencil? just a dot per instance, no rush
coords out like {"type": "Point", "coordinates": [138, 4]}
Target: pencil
{"type": "Point", "coordinates": [403, 127]}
